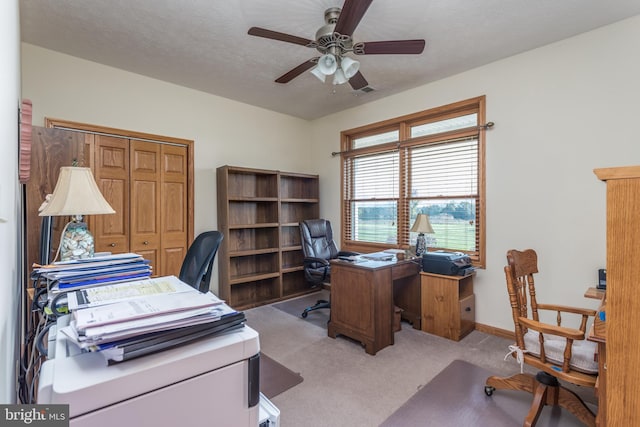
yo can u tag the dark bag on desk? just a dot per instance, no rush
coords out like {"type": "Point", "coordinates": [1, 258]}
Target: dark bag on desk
{"type": "Point", "coordinates": [449, 263]}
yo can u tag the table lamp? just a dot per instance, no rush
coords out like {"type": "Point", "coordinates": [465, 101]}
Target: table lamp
{"type": "Point", "coordinates": [421, 226]}
{"type": "Point", "coordinates": [76, 194]}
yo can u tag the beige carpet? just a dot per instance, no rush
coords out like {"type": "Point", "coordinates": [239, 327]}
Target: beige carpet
{"type": "Point", "coordinates": [296, 306]}
{"type": "Point", "coordinates": [344, 386]}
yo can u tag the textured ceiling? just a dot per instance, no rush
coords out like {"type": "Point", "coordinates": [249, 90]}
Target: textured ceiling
{"type": "Point", "coordinates": [203, 44]}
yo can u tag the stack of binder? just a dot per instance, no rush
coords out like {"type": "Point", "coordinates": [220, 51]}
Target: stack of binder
{"type": "Point", "coordinates": [128, 320]}
{"type": "Point", "coordinates": [69, 275]}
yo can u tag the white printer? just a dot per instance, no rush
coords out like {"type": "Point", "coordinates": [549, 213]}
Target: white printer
{"type": "Point", "coordinates": [213, 381]}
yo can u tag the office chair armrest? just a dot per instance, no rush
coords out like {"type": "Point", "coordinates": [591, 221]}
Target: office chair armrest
{"type": "Point", "coordinates": [313, 260]}
{"type": "Point", "coordinates": [545, 328]}
{"type": "Point", "coordinates": [348, 253]}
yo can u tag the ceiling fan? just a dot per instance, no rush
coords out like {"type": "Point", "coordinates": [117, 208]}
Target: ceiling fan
{"type": "Point", "coordinates": [334, 40]}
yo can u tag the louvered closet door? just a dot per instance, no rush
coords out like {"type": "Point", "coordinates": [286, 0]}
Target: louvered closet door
{"type": "Point", "coordinates": [112, 176]}
{"type": "Point", "coordinates": [174, 219]}
{"type": "Point", "coordinates": [145, 202]}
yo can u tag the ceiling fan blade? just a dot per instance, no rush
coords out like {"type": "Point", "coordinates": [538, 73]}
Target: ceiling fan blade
{"type": "Point", "coordinates": [274, 35]}
{"type": "Point", "coordinates": [286, 78]}
{"type": "Point", "coordinates": [350, 16]}
{"type": "Point", "coordinates": [390, 47]}
{"type": "Point", "coordinates": [358, 81]}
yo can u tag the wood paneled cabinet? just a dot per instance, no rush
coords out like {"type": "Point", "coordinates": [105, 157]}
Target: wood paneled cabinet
{"type": "Point", "coordinates": [148, 183]}
{"type": "Point", "coordinates": [448, 305]}
{"type": "Point", "coordinates": [259, 212]}
{"type": "Point", "coordinates": [619, 380]}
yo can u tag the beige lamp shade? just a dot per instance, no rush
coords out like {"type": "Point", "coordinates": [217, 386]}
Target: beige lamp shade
{"type": "Point", "coordinates": [76, 193]}
{"type": "Point", "coordinates": [422, 224]}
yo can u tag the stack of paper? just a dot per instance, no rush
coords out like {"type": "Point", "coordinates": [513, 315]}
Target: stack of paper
{"type": "Point", "coordinates": [109, 294]}
{"type": "Point", "coordinates": [75, 274]}
{"type": "Point", "coordinates": [378, 256]}
{"type": "Point", "coordinates": [132, 319]}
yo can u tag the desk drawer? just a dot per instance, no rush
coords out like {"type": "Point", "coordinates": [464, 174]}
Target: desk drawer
{"type": "Point", "coordinates": [404, 269]}
{"type": "Point", "coordinates": [467, 315]}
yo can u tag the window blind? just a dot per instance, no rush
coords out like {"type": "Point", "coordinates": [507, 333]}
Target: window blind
{"type": "Point", "coordinates": [371, 194]}
{"type": "Point", "coordinates": [443, 183]}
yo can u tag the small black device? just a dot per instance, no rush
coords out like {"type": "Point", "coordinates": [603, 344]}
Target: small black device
{"type": "Point", "coordinates": [602, 278]}
{"type": "Point", "coordinates": [46, 230]}
{"type": "Point", "coordinates": [449, 263]}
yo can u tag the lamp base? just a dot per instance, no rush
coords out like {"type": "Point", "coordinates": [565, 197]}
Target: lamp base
{"type": "Point", "coordinates": [77, 242]}
{"type": "Point", "coordinates": [421, 245]}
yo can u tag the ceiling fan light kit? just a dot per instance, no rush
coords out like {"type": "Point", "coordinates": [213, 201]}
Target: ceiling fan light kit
{"type": "Point", "coordinates": [349, 66]}
{"type": "Point", "coordinates": [319, 74]}
{"type": "Point", "coordinates": [339, 77]}
{"type": "Point", "coordinates": [333, 40]}
{"type": "Point", "coordinates": [342, 68]}
{"type": "Point", "coordinates": [327, 64]}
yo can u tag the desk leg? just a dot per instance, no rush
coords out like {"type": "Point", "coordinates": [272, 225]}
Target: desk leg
{"type": "Point", "coordinates": [369, 348]}
{"type": "Point", "coordinates": [331, 331]}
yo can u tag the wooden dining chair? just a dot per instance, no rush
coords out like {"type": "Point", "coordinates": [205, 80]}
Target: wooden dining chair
{"type": "Point", "coordinates": [561, 353]}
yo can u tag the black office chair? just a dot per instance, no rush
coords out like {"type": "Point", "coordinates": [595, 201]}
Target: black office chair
{"type": "Point", "coordinates": [197, 265]}
{"type": "Point", "coordinates": [318, 248]}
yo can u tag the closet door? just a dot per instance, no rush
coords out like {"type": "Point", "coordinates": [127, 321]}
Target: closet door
{"type": "Point", "coordinates": [147, 179]}
{"type": "Point", "coordinates": [111, 171]}
{"type": "Point", "coordinates": [175, 210]}
{"type": "Point", "coordinates": [145, 201]}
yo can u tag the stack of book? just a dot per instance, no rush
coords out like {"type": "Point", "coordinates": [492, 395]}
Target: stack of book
{"type": "Point", "coordinates": [128, 320]}
{"type": "Point", "coordinates": [64, 276]}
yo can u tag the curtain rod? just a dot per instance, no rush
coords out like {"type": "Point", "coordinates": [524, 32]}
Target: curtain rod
{"type": "Point", "coordinates": [485, 126]}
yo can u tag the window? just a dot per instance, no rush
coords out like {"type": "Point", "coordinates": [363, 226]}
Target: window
{"type": "Point", "coordinates": [430, 162]}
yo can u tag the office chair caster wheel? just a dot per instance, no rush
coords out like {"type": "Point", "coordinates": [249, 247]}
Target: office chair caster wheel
{"type": "Point", "coordinates": [488, 390]}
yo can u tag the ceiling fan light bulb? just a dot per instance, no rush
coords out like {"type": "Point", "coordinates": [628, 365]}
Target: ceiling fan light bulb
{"type": "Point", "coordinates": [339, 77]}
{"type": "Point", "coordinates": [327, 64]}
{"type": "Point", "coordinates": [316, 72]}
{"type": "Point", "coordinates": [350, 67]}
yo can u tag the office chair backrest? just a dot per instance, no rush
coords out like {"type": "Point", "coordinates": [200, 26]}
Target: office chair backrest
{"type": "Point", "coordinates": [317, 239]}
{"type": "Point", "coordinates": [198, 263]}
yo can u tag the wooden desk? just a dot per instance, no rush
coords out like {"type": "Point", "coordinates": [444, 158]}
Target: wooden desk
{"type": "Point", "coordinates": [597, 333]}
{"type": "Point", "coordinates": [362, 299]}
{"type": "Point", "coordinates": [601, 382]}
{"type": "Point", "coordinates": [594, 293]}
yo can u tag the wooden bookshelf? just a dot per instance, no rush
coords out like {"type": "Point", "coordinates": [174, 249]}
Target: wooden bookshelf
{"type": "Point", "coordinates": [259, 212]}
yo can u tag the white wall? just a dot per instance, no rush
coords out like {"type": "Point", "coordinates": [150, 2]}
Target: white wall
{"type": "Point", "coordinates": [560, 111]}
{"type": "Point", "coordinates": [225, 132]}
{"type": "Point", "coordinates": [9, 196]}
